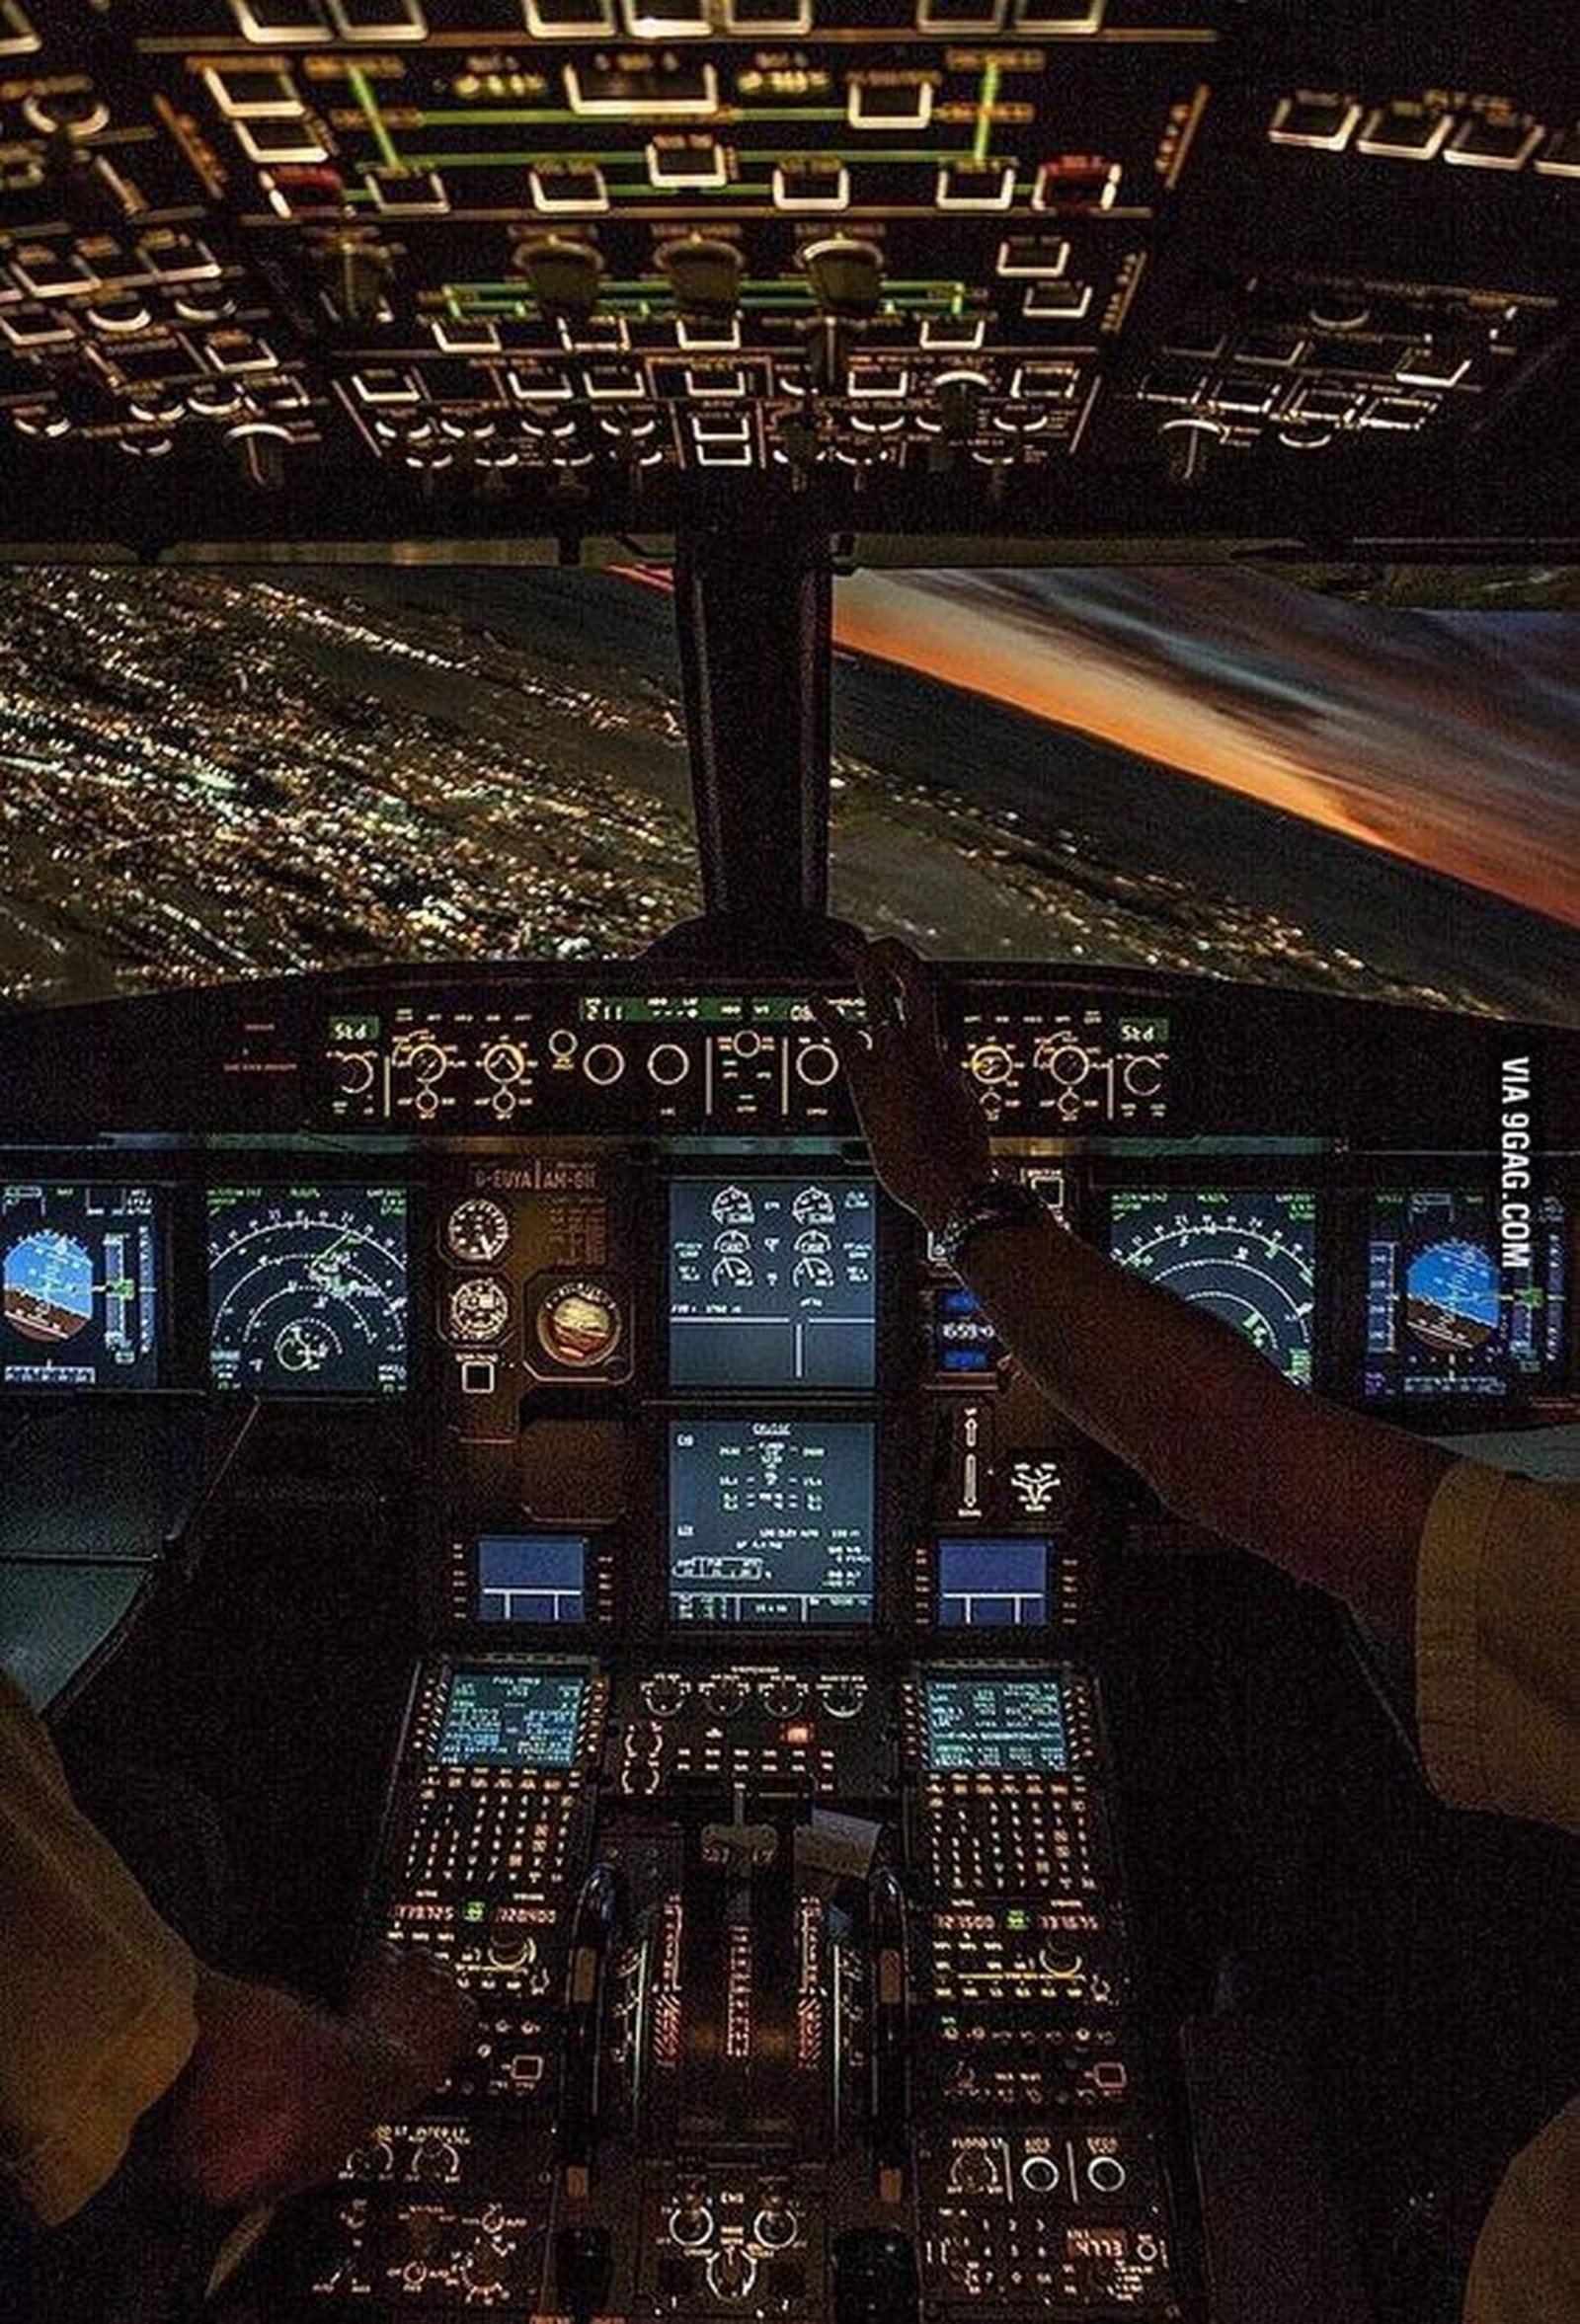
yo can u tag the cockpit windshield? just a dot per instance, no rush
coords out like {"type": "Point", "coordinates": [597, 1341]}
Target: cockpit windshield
{"type": "Point", "coordinates": [218, 774]}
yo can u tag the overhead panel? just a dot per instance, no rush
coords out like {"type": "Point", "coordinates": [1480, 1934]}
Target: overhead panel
{"type": "Point", "coordinates": [541, 262]}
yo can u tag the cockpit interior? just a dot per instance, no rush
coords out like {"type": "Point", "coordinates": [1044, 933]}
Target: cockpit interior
{"type": "Point", "coordinates": [470, 1415]}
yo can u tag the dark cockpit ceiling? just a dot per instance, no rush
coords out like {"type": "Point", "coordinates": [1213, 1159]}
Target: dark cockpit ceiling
{"type": "Point", "coordinates": [1106, 276]}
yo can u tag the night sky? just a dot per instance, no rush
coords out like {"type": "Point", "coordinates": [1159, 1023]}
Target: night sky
{"type": "Point", "coordinates": [1450, 739]}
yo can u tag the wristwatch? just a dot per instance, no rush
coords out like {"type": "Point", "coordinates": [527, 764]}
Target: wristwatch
{"type": "Point", "coordinates": [996, 1202]}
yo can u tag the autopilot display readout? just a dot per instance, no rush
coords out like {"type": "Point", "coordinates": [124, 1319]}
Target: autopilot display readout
{"type": "Point", "coordinates": [772, 1283]}
{"type": "Point", "coordinates": [307, 1289]}
{"type": "Point", "coordinates": [1008, 1722]}
{"type": "Point", "coordinates": [1246, 1256]}
{"type": "Point", "coordinates": [1451, 1310]}
{"type": "Point", "coordinates": [771, 1521]}
{"type": "Point", "coordinates": [79, 1286]}
{"type": "Point", "coordinates": [498, 1717]}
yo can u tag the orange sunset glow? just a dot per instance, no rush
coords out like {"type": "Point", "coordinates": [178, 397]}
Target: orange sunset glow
{"type": "Point", "coordinates": [1396, 736]}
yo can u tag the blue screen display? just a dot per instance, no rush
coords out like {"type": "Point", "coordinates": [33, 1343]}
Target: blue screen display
{"type": "Point", "coordinates": [511, 1719]}
{"type": "Point", "coordinates": [1450, 1310]}
{"type": "Point", "coordinates": [992, 1584]}
{"type": "Point", "coordinates": [532, 1577]}
{"type": "Point", "coordinates": [79, 1280]}
{"type": "Point", "coordinates": [307, 1292]}
{"type": "Point", "coordinates": [772, 1283]}
{"type": "Point", "coordinates": [771, 1521]}
{"type": "Point", "coordinates": [999, 1720]}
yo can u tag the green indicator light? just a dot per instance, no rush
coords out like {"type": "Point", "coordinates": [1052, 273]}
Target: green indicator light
{"type": "Point", "coordinates": [474, 1909]}
{"type": "Point", "coordinates": [354, 1028]}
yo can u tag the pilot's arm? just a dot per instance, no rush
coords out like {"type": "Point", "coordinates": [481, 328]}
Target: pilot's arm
{"type": "Point", "coordinates": [1482, 1570]}
{"type": "Point", "coordinates": [111, 2032]}
{"type": "Point", "coordinates": [1220, 1435]}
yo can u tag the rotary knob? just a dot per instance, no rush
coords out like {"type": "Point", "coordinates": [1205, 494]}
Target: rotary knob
{"type": "Point", "coordinates": [691, 2222]}
{"type": "Point", "coordinates": [990, 1062]}
{"type": "Point", "coordinates": [731, 2271]}
{"type": "Point", "coordinates": [664, 1693]}
{"type": "Point", "coordinates": [504, 1061]}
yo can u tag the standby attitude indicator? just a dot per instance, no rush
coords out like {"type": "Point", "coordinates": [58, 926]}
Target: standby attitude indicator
{"type": "Point", "coordinates": [307, 1289]}
{"type": "Point", "coordinates": [79, 1281]}
{"type": "Point", "coordinates": [1247, 1257]}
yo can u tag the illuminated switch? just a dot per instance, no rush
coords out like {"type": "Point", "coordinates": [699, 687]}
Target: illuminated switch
{"type": "Point", "coordinates": [45, 272]}
{"type": "Point", "coordinates": [637, 86]}
{"type": "Point", "coordinates": [975, 185]}
{"type": "Point", "coordinates": [281, 23]}
{"type": "Point", "coordinates": [271, 140]}
{"type": "Point", "coordinates": [479, 1375]}
{"type": "Point", "coordinates": [386, 388]}
{"type": "Point", "coordinates": [810, 185]}
{"type": "Point", "coordinates": [1400, 413]}
{"type": "Point", "coordinates": [892, 100]}
{"type": "Point", "coordinates": [239, 353]}
{"type": "Point", "coordinates": [1060, 16]}
{"type": "Point", "coordinates": [1271, 344]}
{"type": "Point", "coordinates": [1245, 394]}
{"type": "Point", "coordinates": [1404, 132]}
{"type": "Point", "coordinates": [18, 34]}
{"type": "Point", "coordinates": [173, 257]}
{"type": "Point", "coordinates": [30, 326]}
{"type": "Point", "coordinates": [687, 164]}
{"type": "Point", "coordinates": [570, 19]}
{"type": "Point", "coordinates": [960, 16]}
{"type": "Point", "coordinates": [957, 334]}
{"type": "Point", "coordinates": [408, 193]}
{"type": "Point", "coordinates": [668, 20]}
{"type": "Point", "coordinates": [251, 93]}
{"type": "Point", "coordinates": [1322, 122]}
{"type": "Point", "coordinates": [1045, 383]}
{"type": "Point", "coordinates": [1077, 182]}
{"type": "Point", "coordinates": [1435, 366]}
{"type": "Point", "coordinates": [1481, 144]}
{"type": "Point", "coordinates": [1035, 257]}
{"type": "Point", "coordinates": [379, 20]}
{"type": "Point", "coordinates": [1560, 156]}
{"type": "Point", "coordinates": [568, 188]}
{"type": "Point", "coordinates": [768, 16]}
{"type": "Point", "coordinates": [1058, 302]}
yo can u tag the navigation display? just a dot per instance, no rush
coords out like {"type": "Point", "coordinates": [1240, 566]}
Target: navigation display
{"type": "Point", "coordinates": [988, 1585]}
{"type": "Point", "coordinates": [79, 1286]}
{"type": "Point", "coordinates": [1001, 1720]}
{"type": "Point", "coordinates": [532, 1577]}
{"type": "Point", "coordinates": [771, 1521]}
{"type": "Point", "coordinates": [772, 1283]}
{"type": "Point", "coordinates": [1450, 1314]}
{"type": "Point", "coordinates": [511, 1719]}
{"type": "Point", "coordinates": [307, 1289]}
{"type": "Point", "coordinates": [1247, 1257]}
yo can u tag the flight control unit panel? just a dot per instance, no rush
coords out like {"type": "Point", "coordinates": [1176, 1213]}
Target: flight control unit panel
{"type": "Point", "coordinates": [759, 1782]}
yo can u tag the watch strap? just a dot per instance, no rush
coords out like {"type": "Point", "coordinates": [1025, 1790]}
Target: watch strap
{"type": "Point", "coordinates": [996, 1201]}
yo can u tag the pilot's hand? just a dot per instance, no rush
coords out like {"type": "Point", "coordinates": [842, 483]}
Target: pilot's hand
{"type": "Point", "coordinates": [413, 2003]}
{"type": "Point", "coordinates": [927, 1132]}
{"type": "Point", "coordinates": [276, 2092]}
